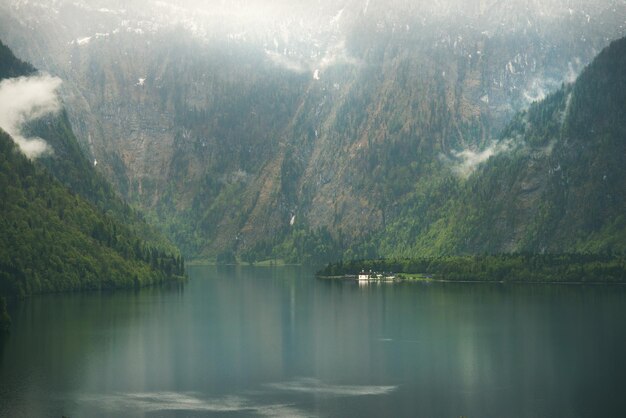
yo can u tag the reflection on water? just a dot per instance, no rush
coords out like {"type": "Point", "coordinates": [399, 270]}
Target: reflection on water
{"type": "Point", "coordinates": [124, 403]}
{"type": "Point", "coordinates": [315, 386]}
{"type": "Point", "coordinates": [277, 342]}
{"type": "Point", "coordinates": [245, 402]}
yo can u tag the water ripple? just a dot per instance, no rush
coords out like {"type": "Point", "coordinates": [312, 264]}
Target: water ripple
{"type": "Point", "coordinates": [310, 385]}
{"type": "Point", "coordinates": [187, 401]}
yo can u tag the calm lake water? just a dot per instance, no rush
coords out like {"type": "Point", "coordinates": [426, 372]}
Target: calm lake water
{"type": "Point", "coordinates": [278, 342]}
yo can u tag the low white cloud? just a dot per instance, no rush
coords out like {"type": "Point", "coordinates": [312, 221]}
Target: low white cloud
{"type": "Point", "coordinates": [571, 74]}
{"type": "Point", "coordinates": [538, 90]}
{"type": "Point", "coordinates": [335, 53]}
{"type": "Point", "coordinates": [83, 41]}
{"type": "Point", "coordinates": [467, 161]}
{"type": "Point", "coordinates": [286, 62]}
{"type": "Point", "coordinates": [23, 99]}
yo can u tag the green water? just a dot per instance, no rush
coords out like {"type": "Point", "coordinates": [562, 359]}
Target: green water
{"type": "Point", "coordinates": [278, 342]}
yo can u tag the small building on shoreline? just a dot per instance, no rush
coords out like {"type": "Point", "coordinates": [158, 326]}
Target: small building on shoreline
{"type": "Point", "coordinates": [370, 276]}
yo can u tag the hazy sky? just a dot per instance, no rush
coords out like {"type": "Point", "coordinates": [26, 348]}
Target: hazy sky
{"type": "Point", "coordinates": [305, 22]}
{"type": "Point", "coordinates": [320, 13]}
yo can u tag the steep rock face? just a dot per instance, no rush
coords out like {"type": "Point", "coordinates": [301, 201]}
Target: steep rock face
{"type": "Point", "coordinates": [237, 145]}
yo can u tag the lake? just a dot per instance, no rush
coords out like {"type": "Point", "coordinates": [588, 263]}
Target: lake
{"type": "Point", "coordinates": [278, 342]}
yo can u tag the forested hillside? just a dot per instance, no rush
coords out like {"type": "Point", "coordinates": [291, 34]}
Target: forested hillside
{"type": "Point", "coordinates": [504, 268]}
{"type": "Point", "coordinates": [62, 226]}
{"type": "Point", "coordinates": [560, 187]}
{"type": "Point", "coordinates": [54, 240]}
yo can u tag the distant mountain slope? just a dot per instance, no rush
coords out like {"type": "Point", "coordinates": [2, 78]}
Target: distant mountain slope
{"type": "Point", "coordinates": [305, 139]}
{"type": "Point", "coordinates": [61, 226]}
{"type": "Point", "coordinates": [302, 139]}
{"type": "Point", "coordinates": [561, 187]}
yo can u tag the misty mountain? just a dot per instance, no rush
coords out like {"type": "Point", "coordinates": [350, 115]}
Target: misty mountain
{"type": "Point", "coordinates": [305, 131]}
{"type": "Point", "coordinates": [62, 226]}
{"type": "Point", "coordinates": [558, 187]}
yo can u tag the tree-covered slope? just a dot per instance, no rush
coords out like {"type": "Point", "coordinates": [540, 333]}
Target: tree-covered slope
{"type": "Point", "coordinates": [560, 186]}
{"type": "Point", "coordinates": [10, 66]}
{"type": "Point", "coordinates": [61, 225]}
{"type": "Point", "coordinates": [54, 240]}
{"type": "Point", "coordinates": [68, 164]}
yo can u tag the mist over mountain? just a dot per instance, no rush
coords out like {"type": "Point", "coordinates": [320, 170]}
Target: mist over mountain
{"type": "Point", "coordinates": [62, 227]}
{"type": "Point", "coordinates": [559, 185]}
{"type": "Point", "coordinates": [309, 130]}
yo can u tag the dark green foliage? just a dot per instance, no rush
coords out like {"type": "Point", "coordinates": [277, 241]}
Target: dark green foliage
{"type": "Point", "coordinates": [226, 257]}
{"type": "Point", "coordinates": [11, 66]}
{"type": "Point", "coordinates": [310, 247]}
{"type": "Point", "coordinates": [599, 96]}
{"type": "Point", "coordinates": [5, 320]}
{"type": "Point", "coordinates": [563, 268]}
{"type": "Point", "coordinates": [53, 240]}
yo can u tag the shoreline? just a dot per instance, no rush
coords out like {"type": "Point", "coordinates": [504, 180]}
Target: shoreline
{"type": "Point", "coordinates": [431, 280]}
